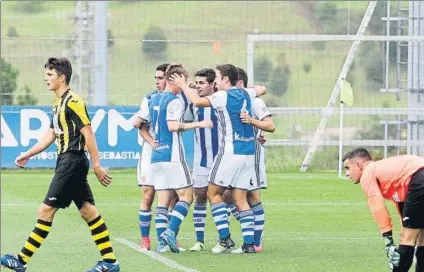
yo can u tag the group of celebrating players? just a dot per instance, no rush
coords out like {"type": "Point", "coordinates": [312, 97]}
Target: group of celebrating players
{"type": "Point", "coordinates": [229, 169]}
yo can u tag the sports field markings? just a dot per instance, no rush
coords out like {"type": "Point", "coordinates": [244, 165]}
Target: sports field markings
{"type": "Point", "coordinates": [156, 256]}
{"type": "Point", "coordinates": [271, 174]}
{"type": "Point", "coordinates": [264, 203]}
{"type": "Point", "coordinates": [286, 239]}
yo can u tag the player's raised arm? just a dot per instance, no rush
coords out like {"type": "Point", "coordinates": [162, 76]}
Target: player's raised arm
{"type": "Point", "coordinates": [173, 118]}
{"type": "Point", "coordinates": [260, 90]}
{"type": "Point", "coordinates": [40, 146]}
{"type": "Point", "coordinates": [191, 94]}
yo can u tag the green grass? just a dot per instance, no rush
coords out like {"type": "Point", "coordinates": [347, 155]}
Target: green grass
{"type": "Point", "coordinates": [314, 222]}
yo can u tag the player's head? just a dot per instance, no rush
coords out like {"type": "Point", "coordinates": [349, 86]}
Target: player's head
{"type": "Point", "coordinates": [58, 73]}
{"type": "Point", "coordinates": [226, 76]}
{"type": "Point", "coordinates": [242, 79]}
{"type": "Point", "coordinates": [353, 162]}
{"type": "Point", "coordinates": [175, 68]}
{"type": "Point", "coordinates": [205, 82]}
{"type": "Point", "coordinates": [160, 77]}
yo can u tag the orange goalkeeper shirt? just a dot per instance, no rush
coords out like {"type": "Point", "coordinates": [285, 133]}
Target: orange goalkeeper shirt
{"type": "Point", "coordinates": [388, 179]}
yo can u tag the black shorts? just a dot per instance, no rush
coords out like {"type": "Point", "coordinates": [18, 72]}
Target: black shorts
{"type": "Point", "coordinates": [412, 209]}
{"type": "Point", "coordinates": [70, 182]}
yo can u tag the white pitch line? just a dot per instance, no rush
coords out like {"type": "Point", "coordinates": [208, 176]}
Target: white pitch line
{"type": "Point", "coordinates": [289, 239]}
{"type": "Point", "coordinates": [264, 203]}
{"type": "Point", "coordinates": [156, 256]}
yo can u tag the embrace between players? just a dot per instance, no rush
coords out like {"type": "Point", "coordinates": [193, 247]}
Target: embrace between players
{"type": "Point", "coordinates": [228, 119]}
{"type": "Point", "coordinates": [228, 155]}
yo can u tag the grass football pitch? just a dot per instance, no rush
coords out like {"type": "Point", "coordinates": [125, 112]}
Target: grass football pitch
{"type": "Point", "coordinates": [314, 222]}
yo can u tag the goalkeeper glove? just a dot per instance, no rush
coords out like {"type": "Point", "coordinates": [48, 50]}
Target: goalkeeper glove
{"type": "Point", "coordinates": [391, 251]}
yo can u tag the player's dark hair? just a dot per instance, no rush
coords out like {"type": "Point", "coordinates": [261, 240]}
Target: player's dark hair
{"type": "Point", "coordinates": [229, 71]}
{"type": "Point", "coordinates": [242, 76]}
{"type": "Point", "coordinates": [208, 73]}
{"type": "Point", "coordinates": [162, 67]}
{"type": "Point", "coordinates": [62, 67]}
{"type": "Point", "coordinates": [357, 153]}
{"type": "Point", "coordinates": [175, 68]}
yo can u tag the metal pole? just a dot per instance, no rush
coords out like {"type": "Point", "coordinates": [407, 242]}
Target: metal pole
{"type": "Point", "coordinates": [345, 69]}
{"type": "Point", "coordinates": [341, 140]}
{"type": "Point", "coordinates": [100, 54]}
{"type": "Point", "coordinates": [386, 132]}
{"type": "Point", "coordinates": [387, 46]}
{"type": "Point", "coordinates": [250, 59]}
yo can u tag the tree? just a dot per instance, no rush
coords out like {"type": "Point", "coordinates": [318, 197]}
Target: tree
{"type": "Point", "coordinates": [262, 69]}
{"type": "Point", "coordinates": [28, 99]}
{"type": "Point", "coordinates": [280, 80]}
{"type": "Point", "coordinates": [12, 32]}
{"type": "Point", "coordinates": [110, 38]}
{"type": "Point", "coordinates": [8, 76]}
{"type": "Point", "coordinates": [30, 6]}
{"type": "Point", "coordinates": [154, 43]}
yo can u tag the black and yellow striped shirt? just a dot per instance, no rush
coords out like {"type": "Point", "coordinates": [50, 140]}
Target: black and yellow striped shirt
{"type": "Point", "coordinates": [69, 117]}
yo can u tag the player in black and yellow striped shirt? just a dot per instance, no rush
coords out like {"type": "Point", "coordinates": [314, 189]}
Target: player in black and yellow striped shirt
{"type": "Point", "coordinates": [71, 129]}
{"type": "Point", "coordinates": [69, 116]}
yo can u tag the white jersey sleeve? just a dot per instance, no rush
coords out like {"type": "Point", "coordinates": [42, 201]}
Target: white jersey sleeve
{"type": "Point", "coordinates": [218, 100]}
{"type": "Point", "coordinates": [143, 113]}
{"type": "Point", "coordinates": [252, 92]}
{"type": "Point", "coordinates": [189, 114]}
{"type": "Point", "coordinates": [259, 109]}
{"type": "Point", "coordinates": [174, 110]}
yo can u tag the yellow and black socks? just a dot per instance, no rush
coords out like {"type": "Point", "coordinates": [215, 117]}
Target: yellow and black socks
{"type": "Point", "coordinates": [35, 239]}
{"type": "Point", "coordinates": [101, 238]}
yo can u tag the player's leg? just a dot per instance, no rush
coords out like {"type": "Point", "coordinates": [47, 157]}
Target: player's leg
{"type": "Point", "coordinates": [254, 200]}
{"type": "Point", "coordinates": [84, 200]}
{"type": "Point", "coordinates": [179, 178]}
{"type": "Point", "coordinates": [406, 248]}
{"type": "Point", "coordinates": [36, 238]}
{"type": "Point", "coordinates": [412, 223]}
{"type": "Point", "coordinates": [200, 188]}
{"type": "Point", "coordinates": [231, 207]}
{"type": "Point", "coordinates": [145, 215]}
{"type": "Point", "coordinates": [100, 235]}
{"type": "Point", "coordinates": [164, 195]}
{"type": "Point", "coordinates": [240, 187]}
{"type": "Point", "coordinates": [419, 252]}
{"type": "Point", "coordinates": [224, 170]}
{"type": "Point", "coordinates": [146, 181]}
{"type": "Point", "coordinates": [57, 197]}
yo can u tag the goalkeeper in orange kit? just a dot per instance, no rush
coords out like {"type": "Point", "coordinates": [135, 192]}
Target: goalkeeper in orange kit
{"type": "Point", "coordinates": [401, 180]}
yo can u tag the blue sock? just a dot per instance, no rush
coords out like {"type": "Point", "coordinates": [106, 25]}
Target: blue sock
{"type": "Point", "coordinates": [178, 214]}
{"type": "Point", "coordinates": [259, 214]}
{"type": "Point", "coordinates": [219, 214]}
{"type": "Point", "coordinates": [144, 220]}
{"type": "Point", "coordinates": [247, 226]}
{"type": "Point", "coordinates": [161, 220]}
{"type": "Point", "coordinates": [235, 212]}
{"type": "Point", "coordinates": [199, 219]}
{"type": "Point", "coordinates": [169, 220]}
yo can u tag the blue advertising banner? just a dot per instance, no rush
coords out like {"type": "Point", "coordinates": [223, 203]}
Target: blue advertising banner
{"type": "Point", "coordinates": [118, 141]}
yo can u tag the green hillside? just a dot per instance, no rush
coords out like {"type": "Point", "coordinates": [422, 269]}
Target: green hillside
{"type": "Point", "coordinates": [131, 73]}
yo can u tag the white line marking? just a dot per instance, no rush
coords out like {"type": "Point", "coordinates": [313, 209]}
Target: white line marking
{"type": "Point", "coordinates": [264, 203]}
{"type": "Point", "coordinates": [156, 256]}
{"type": "Point", "coordinates": [286, 239]}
